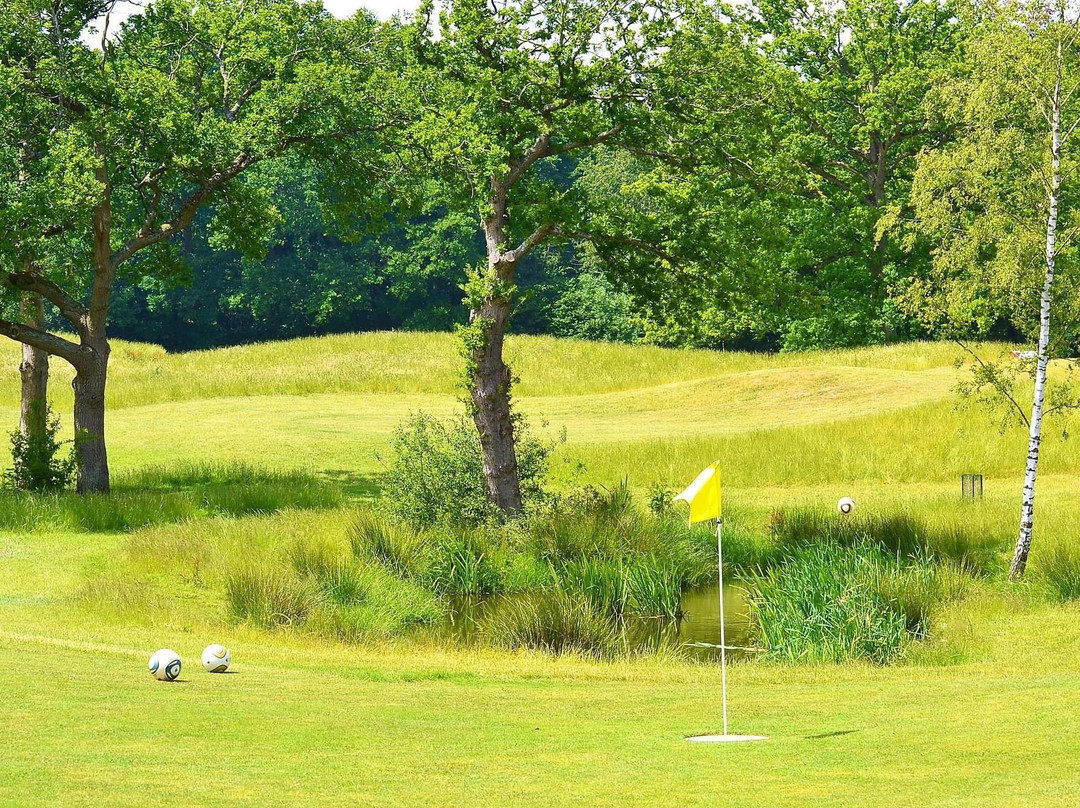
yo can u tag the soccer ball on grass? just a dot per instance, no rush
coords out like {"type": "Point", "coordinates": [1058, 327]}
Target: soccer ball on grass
{"type": "Point", "coordinates": [165, 665]}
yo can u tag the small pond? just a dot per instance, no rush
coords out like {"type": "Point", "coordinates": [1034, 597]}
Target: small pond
{"type": "Point", "coordinates": [698, 630]}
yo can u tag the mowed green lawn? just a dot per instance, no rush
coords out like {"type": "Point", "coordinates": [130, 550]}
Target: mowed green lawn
{"type": "Point", "coordinates": [309, 722]}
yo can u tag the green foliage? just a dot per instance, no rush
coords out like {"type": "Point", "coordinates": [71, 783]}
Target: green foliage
{"type": "Point", "coordinates": [36, 463]}
{"type": "Point", "coordinates": [436, 475]}
{"type": "Point", "coordinates": [982, 196]}
{"type": "Point", "coordinates": [767, 205]}
{"type": "Point", "coordinates": [591, 307]}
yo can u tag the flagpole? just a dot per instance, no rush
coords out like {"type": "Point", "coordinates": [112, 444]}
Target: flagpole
{"type": "Point", "coordinates": [723, 639]}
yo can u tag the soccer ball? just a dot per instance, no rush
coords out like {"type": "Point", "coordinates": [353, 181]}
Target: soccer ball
{"type": "Point", "coordinates": [846, 505]}
{"type": "Point", "coordinates": [165, 665]}
{"type": "Point", "coordinates": [215, 658]}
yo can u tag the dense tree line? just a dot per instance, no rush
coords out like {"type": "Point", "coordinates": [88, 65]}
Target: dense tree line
{"type": "Point", "coordinates": [310, 281]}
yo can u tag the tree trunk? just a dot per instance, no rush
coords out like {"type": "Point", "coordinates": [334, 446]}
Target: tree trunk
{"type": "Point", "coordinates": [489, 388]}
{"type": "Point", "coordinates": [490, 397]}
{"type": "Point", "coordinates": [1027, 507]}
{"type": "Point", "coordinates": [89, 387]}
{"type": "Point", "coordinates": [34, 371]}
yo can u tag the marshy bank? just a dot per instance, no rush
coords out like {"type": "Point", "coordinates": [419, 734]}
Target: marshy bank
{"type": "Point", "coordinates": [596, 573]}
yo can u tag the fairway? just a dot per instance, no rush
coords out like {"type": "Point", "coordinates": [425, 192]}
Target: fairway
{"type": "Point", "coordinates": [981, 714]}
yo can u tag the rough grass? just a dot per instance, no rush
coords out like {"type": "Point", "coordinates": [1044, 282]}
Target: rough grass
{"type": "Point", "coordinates": [158, 495]}
{"type": "Point", "coordinates": [426, 363]}
{"type": "Point", "coordinates": [878, 415]}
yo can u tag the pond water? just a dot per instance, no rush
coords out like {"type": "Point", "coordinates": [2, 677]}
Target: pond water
{"type": "Point", "coordinates": [698, 630]}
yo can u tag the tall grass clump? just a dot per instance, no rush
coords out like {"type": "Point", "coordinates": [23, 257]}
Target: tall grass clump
{"type": "Point", "coordinates": [834, 603]}
{"type": "Point", "coordinates": [463, 563]}
{"type": "Point", "coordinates": [389, 542]}
{"type": "Point", "coordinates": [322, 590]}
{"type": "Point", "coordinates": [602, 523]}
{"type": "Point", "coordinates": [900, 533]}
{"type": "Point", "coordinates": [1058, 568]}
{"type": "Point", "coordinates": [647, 588]}
{"type": "Point", "coordinates": [271, 597]}
{"type": "Point", "coordinates": [555, 621]}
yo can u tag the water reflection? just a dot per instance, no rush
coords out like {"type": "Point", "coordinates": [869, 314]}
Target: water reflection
{"type": "Point", "coordinates": [697, 631]}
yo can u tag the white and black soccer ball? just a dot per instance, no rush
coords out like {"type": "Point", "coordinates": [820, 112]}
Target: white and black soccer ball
{"type": "Point", "coordinates": [846, 505]}
{"type": "Point", "coordinates": [215, 658]}
{"type": "Point", "coordinates": [165, 665]}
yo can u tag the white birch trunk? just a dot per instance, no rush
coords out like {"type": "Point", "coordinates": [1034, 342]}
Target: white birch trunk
{"type": "Point", "coordinates": [1027, 508]}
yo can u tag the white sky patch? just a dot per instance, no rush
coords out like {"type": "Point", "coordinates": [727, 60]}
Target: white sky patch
{"type": "Point", "coordinates": [383, 9]}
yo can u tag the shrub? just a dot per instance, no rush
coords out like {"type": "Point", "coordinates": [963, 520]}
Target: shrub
{"type": "Point", "coordinates": [830, 603]}
{"type": "Point", "coordinates": [36, 462]}
{"type": "Point", "coordinates": [437, 475]}
{"type": "Point", "coordinates": [554, 621]}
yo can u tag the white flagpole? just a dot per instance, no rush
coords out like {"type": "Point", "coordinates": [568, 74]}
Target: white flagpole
{"type": "Point", "coordinates": [723, 639]}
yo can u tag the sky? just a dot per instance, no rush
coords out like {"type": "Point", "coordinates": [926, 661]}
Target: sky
{"type": "Point", "coordinates": [384, 9]}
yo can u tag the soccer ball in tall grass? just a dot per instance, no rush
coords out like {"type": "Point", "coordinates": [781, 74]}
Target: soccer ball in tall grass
{"type": "Point", "coordinates": [165, 665]}
{"type": "Point", "coordinates": [846, 505]}
{"type": "Point", "coordinates": [215, 658]}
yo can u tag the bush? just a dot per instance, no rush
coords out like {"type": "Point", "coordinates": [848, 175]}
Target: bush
{"type": "Point", "coordinates": [555, 621]}
{"type": "Point", "coordinates": [36, 462]}
{"type": "Point", "coordinates": [590, 307]}
{"type": "Point", "coordinates": [437, 475]}
{"type": "Point", "coordinates": [830, 603]}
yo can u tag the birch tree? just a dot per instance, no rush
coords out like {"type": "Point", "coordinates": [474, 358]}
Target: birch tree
{"type": "Point", "coordinates": [1001, 201]}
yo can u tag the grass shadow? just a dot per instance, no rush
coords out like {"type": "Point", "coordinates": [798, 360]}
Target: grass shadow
{"type": "Point", "coordinates": [835, 734]}
{"type": "Point", "coordinates": [355, 485]}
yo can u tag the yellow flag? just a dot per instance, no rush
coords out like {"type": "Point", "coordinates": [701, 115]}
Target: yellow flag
{"type": "Point", "coordinates": [703, 495]}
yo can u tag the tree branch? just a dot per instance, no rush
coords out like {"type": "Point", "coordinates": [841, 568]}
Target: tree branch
{"type": "Point", "coordinates": [533, 240]}
{"type": "Point", "coordinates": [72, 310]}
{"type": "Point", "coordinates": [622, 241]}
{"type": "Point", "coordinates": [43, 340]}
{"type": "Point", "coordinates": [991, 375]}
